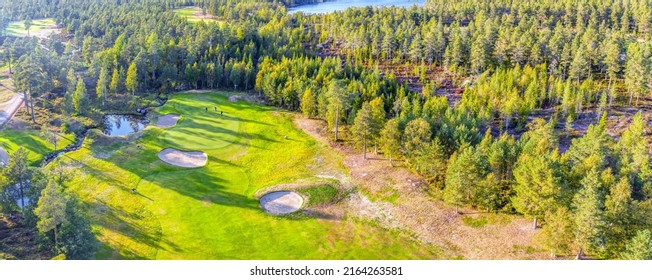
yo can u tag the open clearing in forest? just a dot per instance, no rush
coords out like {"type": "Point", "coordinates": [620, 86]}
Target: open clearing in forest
{"type": "Point", "coordinates": [213, 212]}
{"type": "Point", "coordinates": [40, 28]}
{"type": "Point", "coordinates": [398, 199]}
{"type": "Point", "coordinates": [195, 14]}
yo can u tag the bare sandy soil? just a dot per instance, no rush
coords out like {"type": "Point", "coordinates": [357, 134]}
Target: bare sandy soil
{"type": "Point", "coordinates": [395, 198]}
{"type": "Point", "coordinates": [281, 202]}
{"type": "Point", "coordinates": [166, 121]}
{"type": "Point", "coordinates": [183, 159]}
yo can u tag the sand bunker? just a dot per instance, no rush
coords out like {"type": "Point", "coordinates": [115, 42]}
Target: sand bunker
{"type": "Point", "coordinates": [4, 157]}
{"type": "Point", "coordinates": [183, 159]}
{"type": "Point", "coordinates": [281, 203]}
{"type": "Point", "coordinates": [168, 120]}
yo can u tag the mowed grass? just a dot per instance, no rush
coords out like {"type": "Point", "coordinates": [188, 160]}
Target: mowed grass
{"type": "Point", "coordinates": [211, 212]}
{"type": "Point", "coordinates": [17, 28]}
{"type": "Point", "coordinates": [36, 146]}
{"type": "Point", "coordinates": [194, 15]}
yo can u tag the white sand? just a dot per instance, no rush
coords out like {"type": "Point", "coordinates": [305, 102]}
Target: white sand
{"type": "Point", "coordinates": [183, 159]}
{"type": "Point", "coordinates": [168, 120]}
{"type": "Point", "coordinates": [281, 202]}
{"type": "Point", "coordinates": [4, 157]}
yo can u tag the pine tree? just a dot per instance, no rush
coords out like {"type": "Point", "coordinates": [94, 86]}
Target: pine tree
{"type": "Point", "coordinates": [589, 216]}
{"type": "Point", "coordinates": [619, 212]}
{"type": "Point", "coordinates": [557, 233]}
{"type": "Point", "coordinates": [28, 24]}
{"type": "Point", "coordinates": [635, 72]}
{"type": "Point", "coordinates": [417, 133]}
{"type": "Point", "coordinates": [613, 63]}
{"type": "Point", "coordinates": [338, 104]}
{"type": "Point", "coordinates": [102, 88]}
{"type": "Point", "coordinates": [363, 127]}
{"type": "Point", "coordinates": [537, 185]}
{"type": "Point", "coordinates": [478, 55]}
{"type": "Point", "coordinates": [51, 211]}
{"type": "Point", "coordinates": [131, 82]}
{"type": "Point", "coordinates": [464, 177]}
{"type": "Point", "coordinates": [114, 86]}
{"type": "Point", "coordinates": [309, 103]}
{"type": "Point", "coordinates": [633, 156]}
{"type": "Point", "coordinates": [390, 139]}
{"type": "Point", "coordinates": [79, 97]}
{"type": "Point", "coordinates": [378, 118]}
{"type": "Point", "coordinates": [580, 65]}
{"type": "Point", "coordinates": [640, 247]}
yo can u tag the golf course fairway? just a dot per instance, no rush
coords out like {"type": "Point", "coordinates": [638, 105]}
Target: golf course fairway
{"type": "Point", "coordinates": [143, 208]}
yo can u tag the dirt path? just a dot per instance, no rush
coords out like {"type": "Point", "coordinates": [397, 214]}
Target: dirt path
{"type": "Point", "coordinates": [401, 202]}
{"type": "Point", "coordinates": [8, 109]}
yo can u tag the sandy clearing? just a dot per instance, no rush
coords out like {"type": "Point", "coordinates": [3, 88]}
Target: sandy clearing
{"type": "Point", "coordinates": [183, 159]}
{"type": "Point", "coordinates": [168, 120]}
{"type": "Point", "coordinates": [4, 157]}
{"type": "Point", "coordinates": [281, 202]}
{"type": "Point", "coordinates": [414, 210]}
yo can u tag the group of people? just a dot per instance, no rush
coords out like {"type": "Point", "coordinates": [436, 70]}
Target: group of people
{"type": "Point", "coordinates": [215, 108]}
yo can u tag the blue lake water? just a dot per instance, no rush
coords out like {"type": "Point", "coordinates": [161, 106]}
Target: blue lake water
{"type": "Point", "coordinates": [340, 5]}
{"type": "Point", "coordinates": [121, 125]}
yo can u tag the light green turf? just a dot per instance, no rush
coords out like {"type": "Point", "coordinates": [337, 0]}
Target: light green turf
{"type": "Point", "coordinates": [189, 14]}
{"type": "Point", "coordinates": [31, 141]}
{"type": "Point", "coordinates": [17, 28]}
{"type": "Point", "coordinates": [211, 212]}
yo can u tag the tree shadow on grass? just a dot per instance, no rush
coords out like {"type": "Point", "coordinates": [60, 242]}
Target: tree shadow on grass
{"type": "Point", "coordinates": [202, 186]}
{"type": "Point", "coordinates": [127, 223]}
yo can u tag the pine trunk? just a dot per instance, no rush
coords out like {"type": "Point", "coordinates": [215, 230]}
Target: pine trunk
{"type": "Point", "coordinates": [534, 225]}
{"type": "Point", "coordinates": [337, 118]}
{"type": "Point", "coordinates": [391, 163]}
{"type": "Point", "coordinates": [31, 102]}
{"type": "Point", "coordinates": [22, 195]}
{"type": "Point", "coordinates": [580, 253]}
{"type": "Point", "coordinates": [611, 97]}
{"type": "Point", "coordinates": [364, 148]}
{"type": "Point", "coordinates": [56, 237]}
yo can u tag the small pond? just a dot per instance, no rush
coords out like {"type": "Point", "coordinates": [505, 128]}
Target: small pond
{"type": "Point", "coordinates": [121, 125]}
{"type": "Point", "coordinates": [341, 5]}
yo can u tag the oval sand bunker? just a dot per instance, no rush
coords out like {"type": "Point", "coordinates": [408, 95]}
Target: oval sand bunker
{"type": "Point", "coordinates": [281, 203]}
{"type": "Point", "coordinates": [168, 120]}
{"type": "Point", "coordinates": [4, 157]}
{"type": "Point", "coordinates": [183, 159]}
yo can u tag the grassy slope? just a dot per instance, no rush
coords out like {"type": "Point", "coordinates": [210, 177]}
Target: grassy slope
{"type": "Point", "coordinates": [210, 212]}
{"type": "Point", "coordinates": [11, 140]}
{"type": "Point", "coordinates": [17, 28]}
{"type": "Point", "coordinates": [189, 13]}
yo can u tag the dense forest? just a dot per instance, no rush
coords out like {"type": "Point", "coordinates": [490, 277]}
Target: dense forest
{"type": "Point", "coordinates": [528, 71]}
